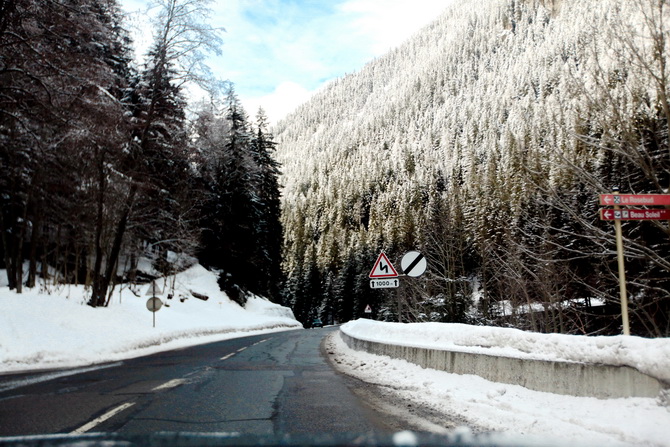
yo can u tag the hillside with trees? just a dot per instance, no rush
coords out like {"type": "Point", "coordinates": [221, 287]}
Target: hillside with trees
{"type": "Point", "coordinates": [483, 142]}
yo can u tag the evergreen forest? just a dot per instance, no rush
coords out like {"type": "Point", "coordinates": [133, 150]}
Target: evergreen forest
{"type": "Point", "coordinates": [104, 162]}
{"type": "Point", "coordinates": [484, 142]}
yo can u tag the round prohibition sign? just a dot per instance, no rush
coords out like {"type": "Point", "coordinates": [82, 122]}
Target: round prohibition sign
{"type": "Point", "coordinates": [154, 304]}
{"type": "Point", "coordinates": [413, 264]}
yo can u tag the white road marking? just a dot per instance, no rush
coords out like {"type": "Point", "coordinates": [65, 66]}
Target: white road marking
{"type": "Point", "coordinates": [170, 384]}
{"type": "Point", "coordinates": [49, 376]}
{"type": "Point", "coordinates": [101, 419]}
{"type": "Point", "coordinates": [226, 357]}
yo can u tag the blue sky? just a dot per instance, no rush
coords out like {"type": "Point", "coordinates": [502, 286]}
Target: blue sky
{"type": "Point", "coordinates": [278, 52]}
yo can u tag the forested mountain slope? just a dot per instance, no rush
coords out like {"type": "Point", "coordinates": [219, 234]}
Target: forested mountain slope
{"type": "Point", "coordinates": [483, 142]}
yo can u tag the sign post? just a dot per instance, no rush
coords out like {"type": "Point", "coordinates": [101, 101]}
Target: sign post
{"type": "Point", "coordinates": [622, 272]}
{"type": "Point", "coordinates": [617, 214]}
{"type": "Point", "coordinates": [154, 303]}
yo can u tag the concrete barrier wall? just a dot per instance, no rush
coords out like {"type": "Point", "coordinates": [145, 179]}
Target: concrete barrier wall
{"type": "Point", "coordinates": [575, 379]}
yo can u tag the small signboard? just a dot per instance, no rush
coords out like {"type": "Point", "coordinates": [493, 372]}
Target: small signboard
{"type": "Point", "coordinates": [390, 283]}
{"type": "Point", "coordinates": [413, 264]}
{"type": "Point", "coordinates": [383, 268]}
{"type": "Point", "coordinates": [635, 199]}
{"type": "Point", "coordinates": [368, 309]}
{"type": "Point", "coordinates": [154, 289]}
{"type": "Point", "coordinates": [634, 214]}
{"type": "Point", "coordinates": [617, 214]}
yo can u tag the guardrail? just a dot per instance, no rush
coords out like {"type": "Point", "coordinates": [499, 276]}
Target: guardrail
{"type": "Point", "coordinates": [570, 378]}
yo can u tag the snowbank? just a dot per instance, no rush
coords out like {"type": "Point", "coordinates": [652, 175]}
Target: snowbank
{"type": "Point", "coordinates": [537, 418]}
{"type": "Point", "coordinates": [40, 330]}
{"type": "Point", "coordinates": [262, 306]}
{"type": "Point", "coordinates": [650, 356]}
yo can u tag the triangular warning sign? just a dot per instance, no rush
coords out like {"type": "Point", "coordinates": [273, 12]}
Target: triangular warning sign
{"type": "Point", "coordinates": [383, 268]}
{"type": "Point", "coordinates": [154, 289]}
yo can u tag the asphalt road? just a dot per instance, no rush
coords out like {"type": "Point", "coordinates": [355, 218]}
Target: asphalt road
{"type": "Point", "coordinates": [260, 385]}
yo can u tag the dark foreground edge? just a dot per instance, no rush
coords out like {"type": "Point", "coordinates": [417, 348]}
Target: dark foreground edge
{"type": "Point", "coordinates": [461, 439]}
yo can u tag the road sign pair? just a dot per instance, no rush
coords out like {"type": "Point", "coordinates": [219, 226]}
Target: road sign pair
{"type": "Point", "coordinates": [413, 264]}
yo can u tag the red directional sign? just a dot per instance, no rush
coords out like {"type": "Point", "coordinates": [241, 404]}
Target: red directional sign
{"type": "Point", "coordinates": [634, 214]}
{"type": "Point", "coordinates": [635, 199]}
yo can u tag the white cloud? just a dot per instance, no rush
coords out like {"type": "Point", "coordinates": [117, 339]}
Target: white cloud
{"type": "Point", "coordinates": [282, 101]}
{"type": "Point", "coordinates": [388, 23]}
{"type": "Point", "coordinates": [278, 52]}
{"type": "Point", "coordinates": [301, 50]}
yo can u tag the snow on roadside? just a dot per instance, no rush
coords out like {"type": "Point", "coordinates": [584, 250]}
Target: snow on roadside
{"type": "Point", "coordinates": [512, 411]}
{"type": "Point", "coordinates": [650, 356]}
{"type": "Point", "coordinates": [58, 330]}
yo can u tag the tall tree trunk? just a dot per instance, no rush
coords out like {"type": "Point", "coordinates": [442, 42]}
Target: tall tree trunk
{"type": "Point", "coordinates": [8, 249]}
{"type": "Point", "coordinates": [35, 238]}
{"type": "Point", "coordinates": [18, 254]}
{"type": "Point", "coordinates": [98, 297]}
{"type": "Point", "coordinates": [97, 267]}
{"type": "Point", "coordinates": [56, 261]}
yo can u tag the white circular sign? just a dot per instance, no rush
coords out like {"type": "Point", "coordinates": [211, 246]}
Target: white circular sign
{"type": "Point", "coordinates": [154, 303]}
{"type": "Point", "coordinates": [413, 264]}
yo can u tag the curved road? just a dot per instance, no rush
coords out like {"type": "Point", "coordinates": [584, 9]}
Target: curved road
{"type": "Point", "coordinates": [260, 385]}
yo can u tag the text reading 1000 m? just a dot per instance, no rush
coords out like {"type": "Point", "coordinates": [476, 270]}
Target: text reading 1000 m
{"type": "Point", "coordinates": [384, 283]}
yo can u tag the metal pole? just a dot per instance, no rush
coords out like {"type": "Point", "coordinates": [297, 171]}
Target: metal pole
{"type": "Point", "coordinates": [622, 271]}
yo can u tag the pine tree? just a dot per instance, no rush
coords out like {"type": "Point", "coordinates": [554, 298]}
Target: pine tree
{"type": "Point", "coordinates": [232, 211]}
{"type": "Point", "coordinates": [268, 228]}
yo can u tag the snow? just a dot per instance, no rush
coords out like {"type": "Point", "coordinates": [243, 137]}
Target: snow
{"type": "Point", "coordinates": [58, 330]}
{"type": "Point", "coordinates": [650, 356]}
{"type": "Point", "coordinates": [484, 406]}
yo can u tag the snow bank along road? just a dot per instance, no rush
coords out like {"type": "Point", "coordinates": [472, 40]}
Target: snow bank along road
{"type": "Point", "coordinates": [266, 385]}
{"type": "Point", "coordinates": [640, 366]}
{"type": "Point", "coordinates": [512, 411]}
{"type": "Point", "coordinates": [571, 378]}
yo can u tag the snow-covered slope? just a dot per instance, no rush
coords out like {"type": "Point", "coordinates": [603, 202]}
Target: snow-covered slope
{"type": "Point", "coordinates": [57, 329]}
